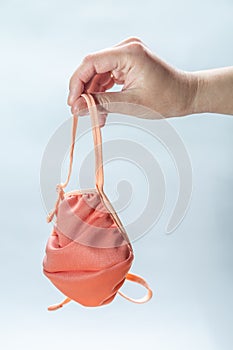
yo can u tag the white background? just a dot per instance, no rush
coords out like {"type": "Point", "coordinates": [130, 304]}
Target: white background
{"type": "Point", "coordinates": [190, 271]}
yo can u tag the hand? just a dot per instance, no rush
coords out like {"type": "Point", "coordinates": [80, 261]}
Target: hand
{"type": "Point", "coordinates": [146, 80]}
{"type": "Point", "coordinates": [150, 82]}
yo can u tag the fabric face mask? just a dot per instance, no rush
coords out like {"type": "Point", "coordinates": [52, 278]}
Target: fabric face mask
{"type": "Point", "coordinates": [88, 254]}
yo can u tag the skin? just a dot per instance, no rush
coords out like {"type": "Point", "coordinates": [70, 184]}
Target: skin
{"type": "Point", "coordinates": [148, 81]}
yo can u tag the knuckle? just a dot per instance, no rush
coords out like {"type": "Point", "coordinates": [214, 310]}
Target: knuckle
{"type": "Point", "coordinates": [134, 39]}
{"type": "Point", "coordinates": [137, 47]}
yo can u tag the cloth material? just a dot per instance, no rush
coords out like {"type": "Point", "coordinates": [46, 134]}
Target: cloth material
{"type": "Point", "coordinates": [88, 254]}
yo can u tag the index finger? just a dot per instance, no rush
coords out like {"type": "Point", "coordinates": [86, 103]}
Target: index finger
{"type": "Point", "coordinates": [100, 62]}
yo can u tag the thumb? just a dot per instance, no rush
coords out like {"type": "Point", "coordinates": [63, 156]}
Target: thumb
{"type": "Point", "coordinates": [123, 102]}
{"type": "Point", "coordinates": [116, 102]}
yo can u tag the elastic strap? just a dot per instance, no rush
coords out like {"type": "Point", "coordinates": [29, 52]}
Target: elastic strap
{"type": "Point", "coordinates": [99, 175]}
{"type": "Point", "coordinates": [58, 306]}
{"type": "Point", "coordinates": [60, 187]}
{"type": "Point", "coordinates": [134, 278]}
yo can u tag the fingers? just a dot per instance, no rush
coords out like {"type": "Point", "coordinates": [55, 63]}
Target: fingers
{"type": "Point", "coordinates": [98, 63]}
{"type": "Point", "coordinates": [106, 101]}
{"type": "Point", "coordinates": [122, 102]}
{"type": "Point", "coordinates": [99, 72]}
{"type": "Point", "coordinates": [99, 83]}
{"type": "Point", "coordinates": [79, 107]}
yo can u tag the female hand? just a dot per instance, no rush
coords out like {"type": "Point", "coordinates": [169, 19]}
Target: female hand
{"type": "Point", "coordinates": [147, 81]}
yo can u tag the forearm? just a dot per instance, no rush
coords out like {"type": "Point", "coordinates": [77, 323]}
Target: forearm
{"type": "Point", "coordinates": [215, 91]}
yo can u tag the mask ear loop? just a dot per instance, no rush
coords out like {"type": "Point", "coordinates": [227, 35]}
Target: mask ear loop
{"type": "Point", "coordinates": [130, 277]}
{"type": "Point", "coordinates": [98, 154]}
{"type": "Point", "coordinates": [134, 278]}
{"type": "Point", "coordinates": [60, 187]}
{"type": "Point", "coordinates": [99, 171]}
{"type": "Point", "coordinates": [97, 137]}
{"type": "Point", "coordinates": [58, 306]}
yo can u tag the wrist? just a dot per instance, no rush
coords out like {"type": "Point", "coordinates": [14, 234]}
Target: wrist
{"type": "Point", "coordinates": [190, 86]}
{"type": "Point", "coordinates": [214, 91]}
{"type": "Point", "coordinates": [200, 101]}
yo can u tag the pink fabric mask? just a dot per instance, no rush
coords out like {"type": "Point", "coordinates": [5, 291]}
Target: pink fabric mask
{"type": "Point", "coordinates": [88, 254]}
